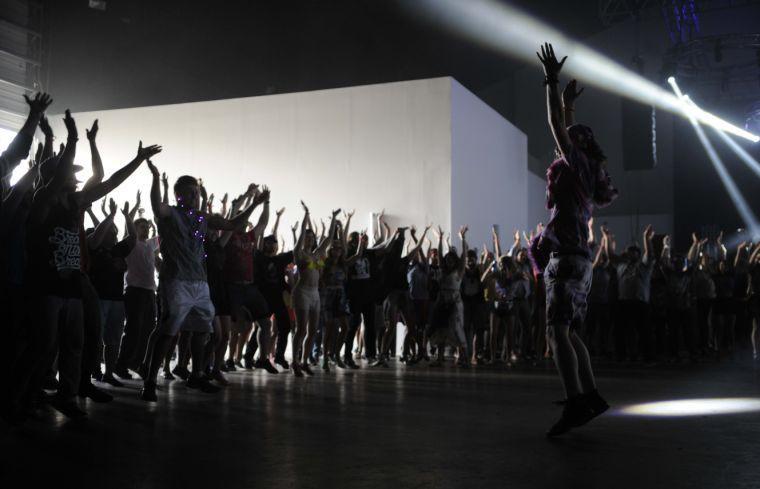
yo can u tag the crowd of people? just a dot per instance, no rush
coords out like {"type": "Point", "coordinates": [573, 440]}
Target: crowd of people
{"type": "Point", "coordinates": [199, 289]}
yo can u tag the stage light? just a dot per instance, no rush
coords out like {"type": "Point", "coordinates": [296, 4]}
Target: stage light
{"type": "Point", "coordinates": [693, 111]}
{"type": "Point", "coordinates": [691, 407]}
{"type": "Point", "coordinates": [745, 212]}
{"type": "Point", "coordinates": [513, 32]}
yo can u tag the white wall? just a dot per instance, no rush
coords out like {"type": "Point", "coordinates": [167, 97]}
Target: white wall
{"type": "Point", "coordinates": [369, 147]}
{"type": "Point", "coordinates": [427, 151]}
{"type": "Point", "coordinates": [489, 167]}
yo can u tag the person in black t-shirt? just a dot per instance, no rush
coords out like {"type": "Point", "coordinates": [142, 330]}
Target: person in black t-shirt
{"type": "Point", "coordinates": [108, 264]}
{"type": "Point", "coordinates": [270, 274]}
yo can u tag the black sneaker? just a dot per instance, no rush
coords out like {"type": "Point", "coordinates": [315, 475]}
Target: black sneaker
{"type": "Point", "coordinates": [168, 375]}
{"type": "Point", "coordinates": [307, 369]}
{"type": "Point", "coordinates": [349, 362]}
{"type": "Point", "coordinates": [110, 379]}
{"type": "Point", "coordinates": [148, 393]}
{"type": "Point", "coordinates": [282, 362]}
{"type": "Point", "coordinates": [94, 393]}
{"type": "Point", "coordinates": [266, 365]}
{"type": "Point", "coordinates": [181, 372]}
{"type": "Point", "coordinates": [50, 384]}
{"type": "Point", "coordinates": [576, 412]}
{"type": "Point", "coordinates": [202, 384]}
{"type": "Point", "coordinates": [67, 407]}
{"type": "Point", "coordinates": [248, 364]}
{"type": "Point", "coordinates": [596, 402]}
{"type": "Point", "coordinates": [123, 373]}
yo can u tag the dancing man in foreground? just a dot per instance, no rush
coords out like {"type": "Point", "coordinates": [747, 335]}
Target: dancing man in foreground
{"type": "Point", "coordinates": [576, 183]}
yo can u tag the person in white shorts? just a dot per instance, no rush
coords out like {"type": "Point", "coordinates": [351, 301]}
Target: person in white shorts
{"type": "Point", "coordinates": [184, 293]}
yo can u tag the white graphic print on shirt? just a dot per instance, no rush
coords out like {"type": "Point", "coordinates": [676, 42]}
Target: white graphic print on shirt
{"type": "Point", "coordinates": [66, 254]}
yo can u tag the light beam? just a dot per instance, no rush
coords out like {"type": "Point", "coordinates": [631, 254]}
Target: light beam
{"type": "Point", "coordinates": [690, 109]}
{"type": "Point", "coordinates": [511, 31]}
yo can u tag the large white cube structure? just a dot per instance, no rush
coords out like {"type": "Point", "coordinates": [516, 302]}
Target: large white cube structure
{"type": "Point", "coordinates": [426, 151]}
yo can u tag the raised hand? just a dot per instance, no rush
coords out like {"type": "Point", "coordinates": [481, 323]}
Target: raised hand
{"type": "Point", "coordinates": [262, 196]}
{"type": "Point", "coordinates": [294, 227]}
{"type": "Point", "coordinates": [148, 152]}
{"type": "Point", "coordinates": [648, 232]}
{"type": "Point", "coordinates": [694, 238]}
{"type": "Point", "coordinates": [71, 125]}
{"type": "Point", "coordinates": [666, 241]}
{"type": "Point", "coordinates": [45, 127]}
{"type": "Point", "coordinates": [571, 93]}
{"type": "Point", "coordinates": [164, 178]}
{"type": "Point", "coordinates": [137, 199]}
{"type": "Point", "coordinates": [103, 207]}
{"type": "Point", "coordinates": [548, 59]}
{"type": "Point", "coordinates": [225, 198]}
{"type": "Point", "coordinates": [252, 189]}
{"type": "Point", "coordinates": [305, 208]}
{"type": "Point", "coordinates": [720, 239]}
{"type": "Point", "coordinates": [125, 210]}
{"type": "Point", "coordinates": [463, 232]}
{"type": "Point", "coordinates": [39, 103]}
{"type": "Point", "coordinates": [112, 207]}
{"type": "Point", "coordinates": [154, 171]}
{"type": "Point", "coordinates": [93, 131]}
{"type": "Point", "coordinates": [280, 212]}
{"type": "Point", "coordinates": [335, 213]}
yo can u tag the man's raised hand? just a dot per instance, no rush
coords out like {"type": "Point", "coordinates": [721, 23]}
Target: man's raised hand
{"type": "Point", "coordinates": [39, 103]}
{"type": "Point", "coordinates": [92, 132]}
{"type": "Point", "coordinates": [147, 152]}
{"type": "Point", "coordinates": [71, 125]}
{"type": "Point", "coordinates": [548, 59]}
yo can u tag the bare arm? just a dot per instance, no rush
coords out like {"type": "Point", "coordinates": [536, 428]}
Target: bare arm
{"type": "Point", "coordinates": [47, 131]}
{"type": "Point", "coordinates": [159, 207]}
{"type": "Point", "coordinates": [463, 257]}
{"type": "Point", "coordinates": [557, 122]}
{"type": "Point", "coordinates": [87, 196]}
{"type": "Point", "coordinates": [22, 142]}
{"type": "Point", "coordinates": [129, 225]}
{"type": "Point", "coordinates": [97, 162]}
{"type": "Point", "coordinates": [647, 238]}
{"type": "Point", "coordinates": [95, 238]}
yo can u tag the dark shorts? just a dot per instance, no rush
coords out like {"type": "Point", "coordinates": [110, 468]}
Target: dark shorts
{"type": "Point", "coordinates": [397, 304]}
{"type": "Point", "coordinates": [246, 302]}
{"type": "Point", "coordinates": [335, 303]}
{"type": "Point", "coordinates": [568, 282]}
{"type": "Point", "coordinates": [220, 298]}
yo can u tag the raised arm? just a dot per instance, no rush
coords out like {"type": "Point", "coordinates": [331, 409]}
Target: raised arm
{"type": "Point", "coordinates": [693, 249]}
{"type": "Point", "coordinates": [721, 247]}
{"type": "Point", "coordinates": [95, 238]}
{"type": "Point", "coordinates": [47, 131]}
{"type": "Point", "coordinates": [496, 242]}
{"type": "Point", "coordinates": [130, 233]}
{"type": "Point", "coordinates": [238, 222]}
{"type": "Point", "coordinates": [22, 142]}
{"type": "Point", "coordinates": [666, 250]}
{"type": "Point", "coordinates": [165, 185]}
{"type": "Point", "coordinates": [93, 217]}
{"type": "Point", "coordinates": [278, 215]}
{"type": "Point", "coordinates": [261, 225]}
{"type": "Point", "coordinates": [569, 95]}
{"type": "Point", "coordinates": [515, 245]}
{"type": "Point", "coordinates": [97, 162]}
{"type": "Point", "coordinates": [647, 242]}
{"type": "Point", "coordinates": [599, 253]}
{"type": "Point", "coordinates": [741, 252]}
{"type": "Point", "coordinates": [557, 122]}
{"type": "Point", "coordinates": [417, 243]}
{"type": "Point", "coordinates": [463, 257]}
{"type": "Point", "coordinates": [159, 207]}
{"type": "Point", "coordinates": [346, 228]}
{"type": "Point", "coordinates": [325, 242]}
{"type": "Point", "coordinates": [87, 196]}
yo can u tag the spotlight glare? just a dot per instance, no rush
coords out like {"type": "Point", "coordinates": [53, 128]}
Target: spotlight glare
{"type": "Point", "coordinates": [692, 407]}
{"type": "Point", "coordinates": [511, 31]}
{"type": "Point", "coordinates": [741, 205]}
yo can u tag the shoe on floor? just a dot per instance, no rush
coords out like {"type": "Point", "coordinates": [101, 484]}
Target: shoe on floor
{"type": "Point", "coordinates": [248, 364]}
{"type": "Point", "coordinates": [266, 365]}
{"type": "Point", "coordinates": [108, 378]}
{"type": "Point", "coordinates": [67, 407]}
{"type": "Point", "coordinates": [95, 394]}
{"type": "Point", "coordinates": [123, 373]}
{"type": "Point", "coordinates": [282, 362]}
{"type": "Point", "coordinates": [181, 372]}
{"type": "Point", "coordinates": [307, 369]}
{"type": "Point", "coordinates": [219, 377]}
{"type": "Point", "coordinates": [297, 369]}
{"type": "Point", "coordinates": [168, 375]}
{"type": "Point", "coordinates": [202, 384]}
{"type": "Point", "coordinates": [148, 393]}
{"type": "Point", "coordinates": [576, 412]}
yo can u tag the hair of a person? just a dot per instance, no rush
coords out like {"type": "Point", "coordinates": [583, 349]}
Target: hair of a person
{"type": "Point", "coordinates": [444, 262]}
{"type": "Point", "coordinates": [142, 220]}
{"type": "Point", "coordinates": [183, 182]}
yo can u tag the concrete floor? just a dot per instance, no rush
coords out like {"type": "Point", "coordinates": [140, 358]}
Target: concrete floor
{"type": "Point", "coordinates": [416, 427]}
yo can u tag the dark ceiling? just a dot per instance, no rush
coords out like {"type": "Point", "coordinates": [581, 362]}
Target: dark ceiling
{"type": "Point", "coordinates": [150, 52]}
